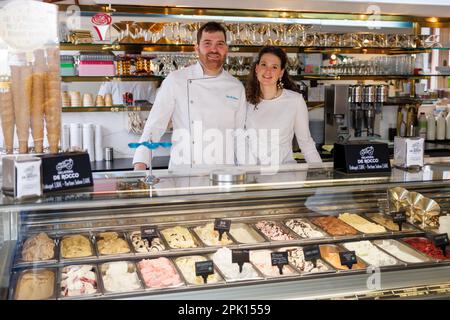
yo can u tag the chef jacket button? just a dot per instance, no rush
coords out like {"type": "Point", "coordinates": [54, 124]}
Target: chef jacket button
{"type": "Point", "coordinates": [190, 81]}
{"type": "Point", "coordinates": [193, 142]}
{"type": "Point", "coordinates": [191, 101]}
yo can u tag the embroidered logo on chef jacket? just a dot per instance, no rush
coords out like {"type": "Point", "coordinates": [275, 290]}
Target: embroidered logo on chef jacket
{"type": "Point", "coordinates": [232, 97]}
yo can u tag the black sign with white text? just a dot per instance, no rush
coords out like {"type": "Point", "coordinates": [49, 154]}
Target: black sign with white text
{"type": "Point", "coordinates": [204, 269]}
{"type": "Point", "coordinates": [64, 171]}
{"type": "Point", "coordinates": [441, 241]}
{"type": "Point", "coordinates": [311, 253]}
{"type": "Point", "coordinates": [149, 232]}
{"type": "Point", "coordinates": [348, 258]}
{"type": "Point", "coordinates": [361, 157]}
{"type": "Point", "coordinates": [240, 256]}
{"type": "Point", "coordinates": [222, 226]}
{"type": "Point", "coordinates": [280, 259]}
{"type": "Point", "coordinates": [399, 217]}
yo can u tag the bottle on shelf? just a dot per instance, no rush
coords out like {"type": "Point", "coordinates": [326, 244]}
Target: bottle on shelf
{"type": "Point", "coordinates": [431, 127]}
{"type": "Point", "coordinates": [440, 126]}
{"type": "Point", "coordinates": [423, 125]}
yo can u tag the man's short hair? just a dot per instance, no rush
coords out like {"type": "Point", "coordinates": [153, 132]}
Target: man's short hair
{"type": "Point", "coordinates": [211, 26]}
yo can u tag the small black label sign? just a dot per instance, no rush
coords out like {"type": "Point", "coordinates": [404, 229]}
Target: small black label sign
{"type": "Point", "coordinates": [204, 269]}
{"type": "Point", "coordinates": [66, 171]}
{"type": "Point", "coordinates": [222, 226]}
{"type": "Point", "coordinates": [348, 258]}
{"type": "Point", "coordinates": [399, 217]}
{"type": "Point", "coordinates": [441, 241]}
{"type": "Point", "coordinates": [240, 257]}
{"type": "Point", "coordinates": [280, 259]}
{"type": "Point", "coordinates": [149, 232]}
{"type": "Point", "coordinates": [361, 157]}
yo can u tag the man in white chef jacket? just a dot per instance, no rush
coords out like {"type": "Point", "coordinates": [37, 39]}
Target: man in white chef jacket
{"type": "Point", "coordinates": [206, 104]}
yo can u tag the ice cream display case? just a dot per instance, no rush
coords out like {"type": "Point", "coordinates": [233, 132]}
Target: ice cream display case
{"type": "Point", "coordinates": [94, 244]}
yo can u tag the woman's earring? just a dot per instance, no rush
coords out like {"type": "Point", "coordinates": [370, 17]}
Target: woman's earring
{"type": "Point", "coordinates": [280, 84]}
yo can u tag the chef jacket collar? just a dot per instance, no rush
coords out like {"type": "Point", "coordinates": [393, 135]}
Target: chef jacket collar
{"type": "Point", "coordinates": [199, 74]}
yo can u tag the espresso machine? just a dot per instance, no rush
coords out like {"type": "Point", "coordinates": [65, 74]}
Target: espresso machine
{"type": "Point", "coordinates": [350, 111]}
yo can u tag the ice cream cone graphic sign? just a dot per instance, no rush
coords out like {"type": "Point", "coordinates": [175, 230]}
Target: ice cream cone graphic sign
{"type": "Point", "coordinates": [101, 23]}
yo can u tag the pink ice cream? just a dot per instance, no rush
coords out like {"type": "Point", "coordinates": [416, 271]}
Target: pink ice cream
{"type": "Point", "coordinates": [159, 273]}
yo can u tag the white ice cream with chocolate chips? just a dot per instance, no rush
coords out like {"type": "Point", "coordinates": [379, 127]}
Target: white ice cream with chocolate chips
{"type": "Point", "coordinates": [304, 229]}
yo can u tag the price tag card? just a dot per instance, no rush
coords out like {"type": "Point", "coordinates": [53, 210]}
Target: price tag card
{"type": "Point", "coordinates": [399, 217]}
{"type": "Point", "coordinates": [149, 232]}
{"type": "Point", "coordinates": [222, 226]}
{"type": "Point", "coordinates": [348, 258]}
{"type": "Point", "coordinates": [280, 259]}
{"type": "Point", "coordinates": [204, 269]}
{"type": "Point", "coordinates": [311, 253]}
{"type": "Point", "coordinates": [440, 240]}
{"type": "Point", "coordinates": [240, 256]}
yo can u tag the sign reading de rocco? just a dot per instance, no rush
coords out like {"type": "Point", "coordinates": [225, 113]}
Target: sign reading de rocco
{"type": "Point", "coordinates": [361, 157]}
{"type": "Point", "coordinates": [66, 171]}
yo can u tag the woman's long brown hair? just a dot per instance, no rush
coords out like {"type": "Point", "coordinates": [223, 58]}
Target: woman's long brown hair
{"type": "Point", "coordinates": [252, 88]}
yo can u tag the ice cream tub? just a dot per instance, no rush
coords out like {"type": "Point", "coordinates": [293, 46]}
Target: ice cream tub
{"type": "Point", "coordinates": [186, 265]}
{"type": "Point", "coordinates": [298, 262]}
{"type": "Point", "coordinates": [262, 260]}
{"type": "Point", "coordinates": [159, 273]}
{"type": "Point", "coordinates": [361, 224]}
{"type": "Point", "coordinates": [39, 248]}
{"type": "Point", "coordinates": [243, 233]}
{"type": "Point", "coordinates": [210, 237]}
{"type": "Point", "coordinates": [223, 260]}
{"type": "Point", "coordinates": [386, 221]}
{"type": "Point", "coordinates": [402, 251]}
{"type": "Point", "coordinates": [76, 246]}
{"type": "Point", "coordinates": [35, 284]}
{"type": "Point", "coordinates": [371, 254]}
{"type": "Point", "coordinates": [120, 277]}
{"type": "Point", "coordinates": [178, 237]}
{"type": "Point", "coordinates": [304, 228]}
{"type": "Point", "coordinates": [144, 246]}
{"type": "Point", "coordinates": [330, 253]}
{"type": "Point", "coordinates": [78, 281]}
{"type": "Point", "coordinates": [274, 230]}
{"type": "Point", "coordinates": [426, 246]}
{"type": "Point", "coordinates": [111, 243]}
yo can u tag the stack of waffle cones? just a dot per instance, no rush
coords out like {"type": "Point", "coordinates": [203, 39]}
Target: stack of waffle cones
{"type": "Point", "coordinates": [34, 95]}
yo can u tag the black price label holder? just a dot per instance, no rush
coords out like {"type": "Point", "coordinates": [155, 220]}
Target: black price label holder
{"type": "Point", "coordinates": [312, 253]}
{"type": "Point", "coordinates": [441, 241]}
{"type": "Point", "coordinates": [240, 256]}
{"type": "Point", "coordinates": [361, 157]}
{"type": "Point", "coordinates": [222, 225]}
{"type": "Point", "coordinates": [348, 258]}
{"type": "Point", "coordinates": [399, 217]}
{"type": "Point", "coordinates": [280, 259]}
{"type": "Point", "coordinates": [204, 269]}
{"type": "Point", "coordinates": [64, 171]}
{"type": "Point", "coordinates": [149, 232]}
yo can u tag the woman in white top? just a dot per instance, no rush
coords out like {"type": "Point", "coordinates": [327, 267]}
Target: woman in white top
{"type": "Point", "coordinates": [275, 112]}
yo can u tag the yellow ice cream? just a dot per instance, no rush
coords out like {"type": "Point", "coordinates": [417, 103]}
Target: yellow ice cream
{"type": "Point", "coordinates": [360, 223]}
{"type": "Point", "coordinates": [179, 238]}
{"type": "Point", "coordinates": [210, 236]}
{"type": "Point", "coordinates": [76, 246]}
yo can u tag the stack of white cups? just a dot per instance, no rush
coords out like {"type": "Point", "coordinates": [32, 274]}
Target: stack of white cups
{"type": "Point", "coordinates": [87, 137]}
{"type": "Point", "coordinates": [76, 136]}
{"type": "Point", "coordinates": [98, 143]}
{"type": "Point", "coordinates": [65, 138]}
{"type": "Point", "coordinates": [88, 140]}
